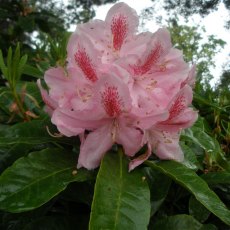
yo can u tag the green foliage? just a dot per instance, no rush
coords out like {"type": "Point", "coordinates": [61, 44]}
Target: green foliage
{"type": "Point", "coordinates": [195, 50]}
{"type": "Point", "coordinates": [119, 196]}
{"type": "Point", "coordinates": [32, 181]}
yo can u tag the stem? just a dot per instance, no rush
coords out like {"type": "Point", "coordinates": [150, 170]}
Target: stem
{"type": "Point", "coordinates": [120, 151]}
{"type": "Point", "coordinates": [19, 104]}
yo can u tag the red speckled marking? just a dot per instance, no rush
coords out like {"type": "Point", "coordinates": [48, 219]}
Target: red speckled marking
{"type": "Point", "coordinates": [111, 101]}
{"type": "Point", "coordinates": [119, 29]}
{"type": "Point", "coordinates": [149, 61]}
{"type": "Point", "coordinates": [177, 107]}
{"type": "Point", "coordinates": [86, 65]}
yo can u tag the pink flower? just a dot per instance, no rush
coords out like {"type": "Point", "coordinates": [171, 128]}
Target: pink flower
{"type": "Point", "coordinates": [163, 137]}
{"type": "Point", "coordinates": [120, 87]}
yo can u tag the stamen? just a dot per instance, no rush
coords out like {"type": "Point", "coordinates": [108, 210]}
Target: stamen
{"type": "Point", "coordinates": [56, 135]}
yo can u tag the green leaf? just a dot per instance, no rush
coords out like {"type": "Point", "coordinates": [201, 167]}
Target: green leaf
{"type": "Point", "coordinates": [9, 154]}
{"type": "Point", "coordinates": [158, 193]}
{"type": "Point", "coordinates": [197, 210]}
{"type": "Point", "coordinates": [209, 227]}
{"type": "Point", "coordinates": [32, 71]}
{"type": "Point", "coordinates": [9, 63]}
{"type": "Point", "coordinates": [58, 222]}
{"type": "Point", "coordinates": [21, 65]}
{"type": "Point", "coordinates": [209, 144]}
{"type": "Point", "coordinates": [33, 132]}
{"type": "Point", "coordinates": [217, 178]}
{"type": "Point", "coordinates": [33, 180]}
{"type": "Point", "coordinates": [177, 222]}
{"type": "Point", "coordinates": [15, 64]}
{"type": "Point", "coordinates": [190, 160]}
{"type": "Point", "coordinates": [3, 66]}
{"type": "Point", "coordinates": [121, 199]}
{"type": "Point", "coordinates": [196, 185]}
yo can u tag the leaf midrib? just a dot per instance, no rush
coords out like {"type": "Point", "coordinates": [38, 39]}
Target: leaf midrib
{"type": "Point", "coordinates": [36, 181]}
{"type": "Point", "coordinates": [120, 191]}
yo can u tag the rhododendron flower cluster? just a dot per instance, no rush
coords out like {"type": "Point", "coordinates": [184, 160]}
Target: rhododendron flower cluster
{"type": "Point", "coordinates": [121, 87]}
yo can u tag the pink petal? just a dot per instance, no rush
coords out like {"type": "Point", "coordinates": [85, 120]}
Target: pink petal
{"type": "Point", "coordinates": [137, 45]}
{"type": "Point", "coordinates": [185, 120]}
{"type": "Point", "coordinates": [157, 48]}
{"type": "Point", "coordinates": [66, 125]}
{"type": "Point", "coordinates": [71, 125]}
{"type": "Point", "coordinates": [140, 159]}
{"type": "Point", "coordinates": [61, 86]}
{"type": "Point", "coordinates": [129, 137]}
{"type": "Point", "coordinates": [166, 145]}
{"type": "Point", "coordinates": [113, 95]}
{"type": "Point", "coordinates": [123, 22]}
{"type": "Point", "coordinates": [83, 55]}
{"type": "Point", "coordinates": [51, 104]}
{"type": "Point", "coordinates": [95, 30]}
{"type": "Point", "coordinates": [96, 144]}
{"type": "Point", "coordinates": [180, 116]}
{"type": "Point", "coordinates": [190, 80]}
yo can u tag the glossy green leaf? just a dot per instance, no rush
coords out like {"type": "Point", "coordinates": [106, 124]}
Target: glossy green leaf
{"type": "Point", "coordinates": [209, 144]}
{"type": "Point", "coordinates": [196, 185]}
{"type": "Point", "coordinates": [177, 222]}
{"type": "Point", "coordinates": [33, 132]}
{"type": "Point", "coordinates": [197, 210]}
{"type": "Point", "coordinates": [121, 198]}
{"type": "Point", "coordinates": [157, 193]}
{"type": "Point", "coordinates": [33, 180]}
{"type": "Point", "coordinates": [8, 154]}
{"type": "Point", "coordinates": [217, 178]}
{"type": "Point", "coordinates": [190, 160]}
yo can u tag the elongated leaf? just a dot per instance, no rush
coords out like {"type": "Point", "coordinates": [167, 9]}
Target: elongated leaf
{"type": "Point", "coordinates": [33, 132]}
{"type": "Point", "coordinates": [158, 193]}
{"type": "Point", "coordinates": [3, 66]}
{"type": "Point", "coordinates": [9, 154]}
{"type": "Point", "coordinates": [15, 64]}
{"type": "Point", "coordinates": [217, 178]}
{"type": "Point", "coordinates": [197, 210]}
{"type": "Point", "coordinates": [32, 181]}
{"type": "Point", "coordinates": [9, 62]}
{"type": "Point", "coordinates": [190, 157]}
{"type": "Point", "coordinates": [209, 144]}
{"type": "Point", "coordinates": [177, 222]}
{"type": "Point", "coordinates": [121, 199]}
{"type": "Point", "coordinates": [197, 186]}
{"type": "Point", "coordinates": [21, 65]}
{"type": "Point", "coordinates": [32, 71]}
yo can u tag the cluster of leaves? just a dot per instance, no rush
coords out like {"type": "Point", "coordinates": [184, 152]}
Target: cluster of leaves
{"type": "Point", "coordinates": [23, 20]}
{"type": "Point", "coordinates": [188, 8]}
{"type": "Point", "coordinates": [195, 49]}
